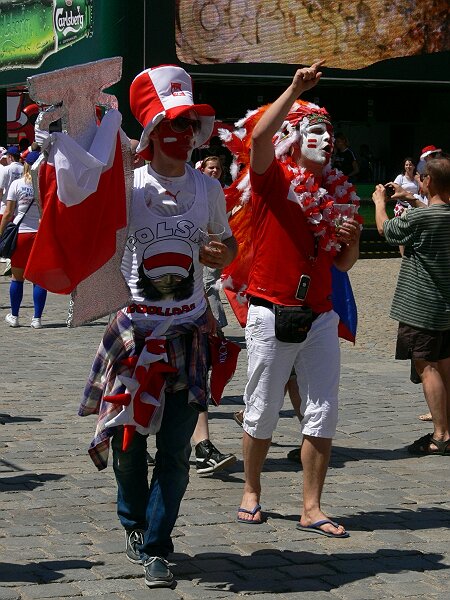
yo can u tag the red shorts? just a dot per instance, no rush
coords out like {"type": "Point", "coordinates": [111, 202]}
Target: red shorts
{"type": "Point", "coordinates": [23, 248]}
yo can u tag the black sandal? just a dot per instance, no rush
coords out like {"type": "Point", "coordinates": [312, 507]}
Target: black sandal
{"type": "Point", "coordinates": [421, 447]}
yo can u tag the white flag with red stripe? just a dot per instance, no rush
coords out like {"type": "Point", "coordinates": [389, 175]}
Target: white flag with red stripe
{"type": "Point", "coordinates": [83, 206]}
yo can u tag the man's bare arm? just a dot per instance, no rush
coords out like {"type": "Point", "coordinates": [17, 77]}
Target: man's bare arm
{"type": "Point", "coordinates": [401, 194]}
{"type": "Point", "coordinates": [8, 215]}
{"type": "Point", "coordinates": [379, 199]}
{"type": "Point", "coordinates": [262, 152]}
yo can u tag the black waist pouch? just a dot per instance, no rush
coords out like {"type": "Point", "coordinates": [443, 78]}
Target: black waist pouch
{"type": "Point", "coordinates": [292, 323]}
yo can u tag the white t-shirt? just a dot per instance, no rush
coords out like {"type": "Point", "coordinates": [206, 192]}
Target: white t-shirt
{"type": "Point", "coordinates": [407, 184]}
{"type": "Point", "coordinates": [162, 251]}
{"type": "Point", "coordinates": [11, 172]}
{"type": "Point", "coordinates": [22, 194]}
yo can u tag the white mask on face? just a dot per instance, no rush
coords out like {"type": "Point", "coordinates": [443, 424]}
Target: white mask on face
{"type": "Point", "coordinates": [316, 143]}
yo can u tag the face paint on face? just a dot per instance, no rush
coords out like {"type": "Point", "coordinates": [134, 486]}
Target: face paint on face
{"type": "Point", "coordinates": [175, 144]}
{"type": "Point", "coordinates": [316, 144]}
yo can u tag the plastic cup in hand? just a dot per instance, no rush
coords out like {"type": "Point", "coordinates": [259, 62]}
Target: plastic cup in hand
{"type": "Point", "coordinates": [213, 233]}
{"type": "Point", "coordinates": [343, 212]}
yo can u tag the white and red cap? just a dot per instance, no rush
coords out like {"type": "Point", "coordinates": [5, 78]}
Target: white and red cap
{"type": "Point", "coordinates": [167, 257]}
{"type": "Point", "coordinates": [165, 92]}
{"type": "Point", "coordinates": [429, 150]}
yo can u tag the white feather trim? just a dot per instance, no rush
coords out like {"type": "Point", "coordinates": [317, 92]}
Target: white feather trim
{"type": "Point", "coordinates": [246, 195]}
{"type": "Point", "coordinates": [225, 134]}
{"type": "Point", "coordinates": [303, 126]}
{"type": "Point", "coordinates": [283, 145]}
{"type": "Point", "coordinates": [234, 170]}
{"type": "Point", "coordinates": [249, 114]}
{"type": "Point", "coordinates": [244, 183]}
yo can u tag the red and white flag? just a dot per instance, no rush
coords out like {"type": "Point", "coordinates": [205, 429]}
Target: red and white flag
{"type": "Point", "coordinates": [83, 206]}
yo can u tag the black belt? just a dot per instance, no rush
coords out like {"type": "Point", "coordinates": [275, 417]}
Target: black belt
{"type": "Point", "coordinates": [257, 301]}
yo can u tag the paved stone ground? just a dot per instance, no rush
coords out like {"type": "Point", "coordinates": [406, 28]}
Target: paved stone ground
{"type": "Point", "coordinates": [59, 535]}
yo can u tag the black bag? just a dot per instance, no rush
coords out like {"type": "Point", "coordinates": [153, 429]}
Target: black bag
{"type": "Point", "coordinates": [8, 240]}
{"type": "Point", "coordinates": [292, 323]}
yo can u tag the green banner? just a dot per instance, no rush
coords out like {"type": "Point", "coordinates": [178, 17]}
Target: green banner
{"type": "Point", "coordinates": [31, 30]}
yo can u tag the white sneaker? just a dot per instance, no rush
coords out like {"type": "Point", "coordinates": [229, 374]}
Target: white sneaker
{"type": "Point", "coordinates": [12, 320]}
{"type": "Point", "coordinates": [36, 323]}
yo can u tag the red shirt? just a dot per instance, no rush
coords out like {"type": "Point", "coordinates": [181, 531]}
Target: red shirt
{"type": "Point", "coordinates": [283, 245]}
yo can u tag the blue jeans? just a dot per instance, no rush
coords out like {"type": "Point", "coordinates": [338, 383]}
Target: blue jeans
{"type": "Point", "coordinates": [155, 509]}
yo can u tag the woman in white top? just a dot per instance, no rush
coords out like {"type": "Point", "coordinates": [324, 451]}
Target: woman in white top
{"type": "Point", "coordinates": [406, 180]}
{"type": "Point", "coordinates": [21, 197]}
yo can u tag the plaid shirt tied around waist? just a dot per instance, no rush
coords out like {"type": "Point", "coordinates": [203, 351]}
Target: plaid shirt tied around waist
{"type": "Point", "coordinates": [187, 351]}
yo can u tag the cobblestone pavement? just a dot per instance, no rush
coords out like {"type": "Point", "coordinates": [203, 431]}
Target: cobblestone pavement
{"type": "Point", "coordinates": [59, 535]}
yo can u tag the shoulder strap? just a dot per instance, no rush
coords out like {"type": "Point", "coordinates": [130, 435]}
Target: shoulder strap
{"type": "Point", "coordinates": [23, 216]}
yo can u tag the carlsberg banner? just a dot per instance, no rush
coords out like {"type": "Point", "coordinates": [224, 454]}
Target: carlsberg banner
{"type": "Point", "coordinates": [31, 30]}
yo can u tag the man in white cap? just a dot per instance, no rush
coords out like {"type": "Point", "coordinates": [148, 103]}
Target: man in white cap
{"type": "Point", "coordinates": [163, 265]}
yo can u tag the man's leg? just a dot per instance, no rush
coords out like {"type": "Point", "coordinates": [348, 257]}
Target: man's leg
{"type": "Point", "coordinates": [294, 395]}
{"type": "Point", "coordinates": [318, 367]}
{"type": "Point", "coordinates": [444, 370]}
{"type": "Point", "coordinates": [435, 390]}
{"type": "Point", "coordinates": [269, 366]}
{"type": "Point", "coordinates": [170, 474]}
{"type": "Point", "coordinates": [315, 456]}
{"type": "Point", "coordinates": [130, 469]}
{"type": "Point", "coordinates": [201, 431]}
{"type": "Point", "coordinates": [254, 452]}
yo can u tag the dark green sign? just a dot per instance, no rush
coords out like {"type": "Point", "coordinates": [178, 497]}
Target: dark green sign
{"type": "Point", "coordinates": [31, 30]}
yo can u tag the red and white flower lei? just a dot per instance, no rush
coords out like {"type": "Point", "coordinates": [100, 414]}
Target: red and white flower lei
{"type": "Point", "coordinates": [319, 202]}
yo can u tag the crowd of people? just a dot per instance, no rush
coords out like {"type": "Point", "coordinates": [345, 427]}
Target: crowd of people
{"type": "Point", "coordinates": [151, 372]}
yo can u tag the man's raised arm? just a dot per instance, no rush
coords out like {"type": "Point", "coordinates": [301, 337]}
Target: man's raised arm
{"type": "Point", "coordinates": [262, 152]}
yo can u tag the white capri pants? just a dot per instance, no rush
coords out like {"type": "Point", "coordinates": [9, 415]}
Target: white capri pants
{"type": "Point", "coordinates": [270, 362]}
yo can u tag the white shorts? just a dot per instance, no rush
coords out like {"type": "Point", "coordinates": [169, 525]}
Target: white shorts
{"type": "Point", "coordinates": [270, 362]}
